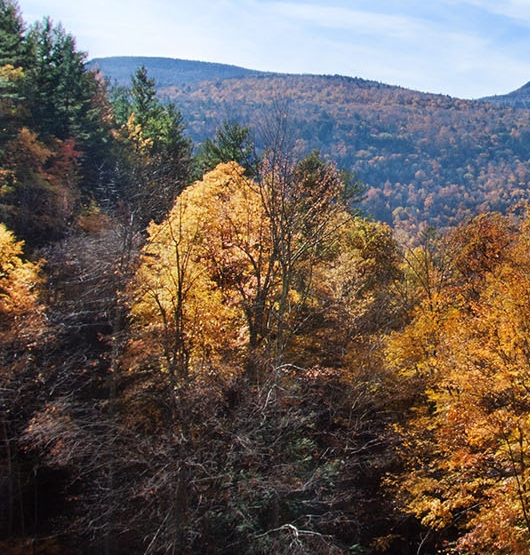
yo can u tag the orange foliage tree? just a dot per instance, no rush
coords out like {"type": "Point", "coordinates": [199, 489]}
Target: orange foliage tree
{"type": "Point", "coordinates": [466, 361]}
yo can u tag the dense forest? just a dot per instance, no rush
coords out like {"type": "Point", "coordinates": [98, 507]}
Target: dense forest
{"type": "Point", "coordinates": [210, 347]}
{"type": "Point", "coordinates": [426, 160]}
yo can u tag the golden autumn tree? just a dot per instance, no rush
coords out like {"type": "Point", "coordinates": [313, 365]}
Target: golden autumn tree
{"type": "Point", "coordinates": [232, 270]}
{"type": "Point", "coordinates": [21, 313]}
{"type": "Point", "coordinates": [467, 357]}
{"type": "Point", "coordinates": [348, 296]}
{"type": "Point", "coordinates": [22, 323]}
{"type": "Point", "coordinates": [198, 270]}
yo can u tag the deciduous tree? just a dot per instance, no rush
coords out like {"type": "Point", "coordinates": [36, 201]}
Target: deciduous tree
{"type": "Point", "coordinates": [465, 358]}
{"type": "Point", "coordinates": [22, 325]}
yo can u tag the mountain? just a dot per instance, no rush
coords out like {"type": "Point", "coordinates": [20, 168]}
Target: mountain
{"type": "Point", "coordinates": [425, 159]}
{"type": "Point", "coordinates": [519, 98]}
{"type": "Point", "coordinates": [167, 72]}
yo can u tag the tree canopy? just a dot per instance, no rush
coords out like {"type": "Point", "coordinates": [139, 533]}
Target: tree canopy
{"type": "Point", "coordinates": [213, 350]}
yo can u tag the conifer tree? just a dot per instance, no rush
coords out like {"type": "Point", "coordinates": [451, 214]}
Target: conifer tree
{"type": "Point", "coordinates": [153, 156]}
{"type": "Point", "coordinates": [13, 47]}
{"type": "Point", "coordinates": [60, 89]}
{"type": "Point", "coordinates": [232, 143]}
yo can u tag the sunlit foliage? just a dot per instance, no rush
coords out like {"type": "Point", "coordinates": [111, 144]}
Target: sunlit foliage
{"type": "Point", "coordinates": [465, 359]}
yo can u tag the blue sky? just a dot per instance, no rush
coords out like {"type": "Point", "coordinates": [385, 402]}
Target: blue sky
{"type": "Point", "coordinates": [464, 48]}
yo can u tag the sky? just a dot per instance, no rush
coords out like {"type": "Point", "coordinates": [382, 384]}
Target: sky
{"type": "Point", "coordinates": [463, 48]}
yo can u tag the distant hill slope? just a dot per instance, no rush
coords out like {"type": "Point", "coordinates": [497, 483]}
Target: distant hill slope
{"type": "Point", "coordinates": [426, 159]}
{"type": "Point", "coordinates": [519, 98]}
{"type": "Point", "coordinates": [167, 71]}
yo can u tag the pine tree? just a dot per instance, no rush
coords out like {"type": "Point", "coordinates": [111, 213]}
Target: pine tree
{"type": "Point", "coordinates": [232, 143]}
{"type": "Point", "coordinates": [13, 46]}
{"type": "Point", "coordinates": [153, 156]}
{"type": "Point", "coordinates": [59, 89]}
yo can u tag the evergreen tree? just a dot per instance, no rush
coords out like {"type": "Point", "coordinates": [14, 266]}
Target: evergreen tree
{"type": "Point", "coordinates": [232, 143]}
{"type": "Point", "coordinates": [13, 48]}
{"type": "Point", "coordinates": [54, 141]}
{"type": "Point", "coordinates": [60, 88]}
{"type": "Point", "coordinates": [153, 156]}
{"type": "Point", "coordinates": [144, 103]}
{"type": "Point", "coordinates": [13, 60]}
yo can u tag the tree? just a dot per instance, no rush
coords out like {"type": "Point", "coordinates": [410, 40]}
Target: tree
{"type": "Point", "coordinates": [13, 46]}
{"type": "Point", "coordinates": [232, 143]}
{"type": "Point", "coordinates": [246, 251]}
{"type": "Point", "coordinates": [52, 97]}
{"type": "Point", "coordinates": [182, 293]}
{"type": "Point", "coordinates": [21, 315]}
{"type": "Point", "coordinates": [144, 103]}
{"type": "Point", "coordinates": [60, 89]}
{"type": "Point", "coordinates": [353, 301]}
{"type": "Point", "coordinates": [14, 57]}
{"type": "Point", "coordinates": [464, 357]}
{"type": "Point", "coordinates": [153, 156]}
{"type": "Point", "coordinates": [12, 109]}
{"type": "Point", "coordinates": [39, 189]}
{"type": "Point", "coordinates": [304, 203]}
{"type": "Point", "coordinates": [22, 326]}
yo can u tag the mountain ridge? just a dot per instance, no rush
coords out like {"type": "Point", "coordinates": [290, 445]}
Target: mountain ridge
{"type": "Point", "coordinates": [165, 70]}
{"type": "Point", "coordinates": [161, 67]}
{"type": "Point", "coordinates": [520, 98]}
{"type": "Point", "coordinates": [426, 159]}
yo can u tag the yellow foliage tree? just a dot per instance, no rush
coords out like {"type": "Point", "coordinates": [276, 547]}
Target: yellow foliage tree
{"type": "Point", "coordinates": [21, 313]}
{"type": "Point", "coordinates": [467, 438]}
{"type": "Point", "coordinates": [181, 314]}
{"type": "Point", "coordinates": [232, 273]}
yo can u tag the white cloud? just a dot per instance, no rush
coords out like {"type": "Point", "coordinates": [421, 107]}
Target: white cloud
{"type": "Point", "coordinates": [517, 10]}
{"type": "Point", "coordinates": [365, 21]}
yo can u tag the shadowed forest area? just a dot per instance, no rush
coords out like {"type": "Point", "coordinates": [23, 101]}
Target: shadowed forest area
{"type": "Point", "coordinates": [214, 348]}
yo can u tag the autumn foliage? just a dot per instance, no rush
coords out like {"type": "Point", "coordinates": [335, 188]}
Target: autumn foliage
{"type": "Point", "coordinates": [465, 357]}
{"type": "Point", "coordinates": [213, 350]}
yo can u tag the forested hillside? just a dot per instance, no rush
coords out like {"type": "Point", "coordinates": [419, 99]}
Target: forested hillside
{"type": "Point", "coordinates": [209, 348]}
{"type": "Point", "coordinates": [424, 158]}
